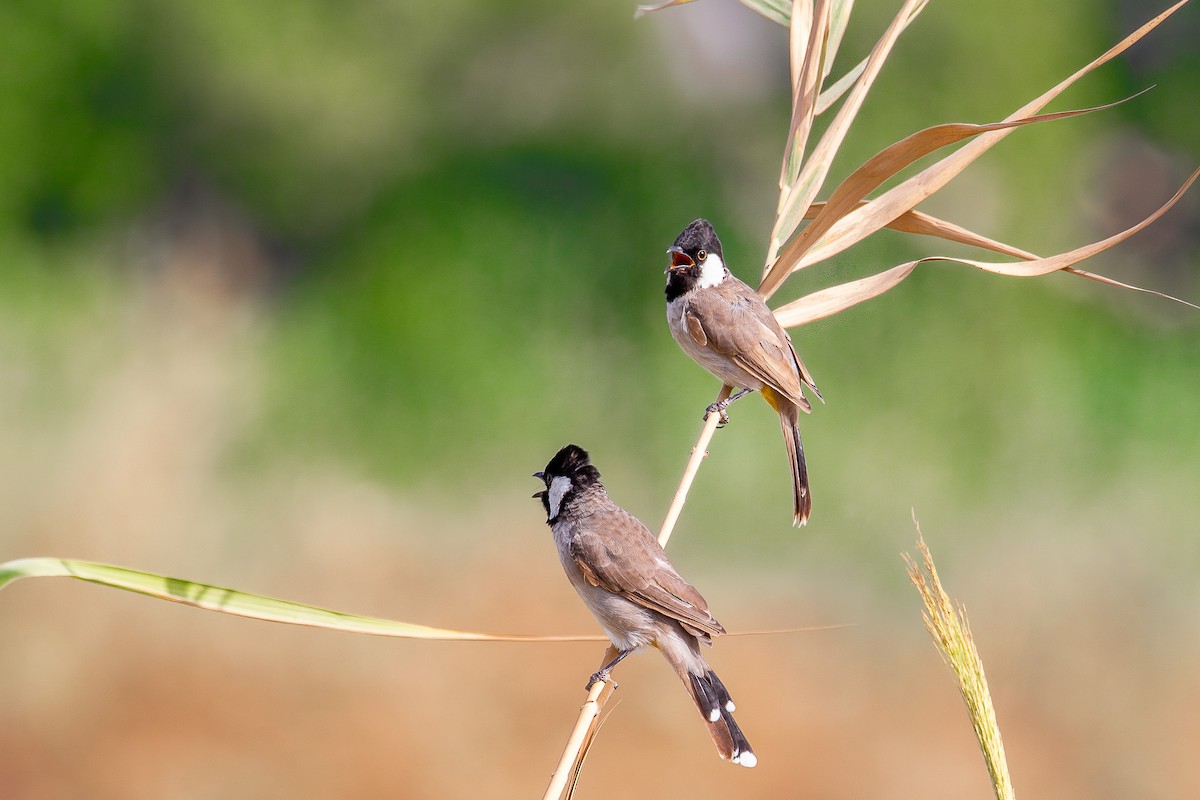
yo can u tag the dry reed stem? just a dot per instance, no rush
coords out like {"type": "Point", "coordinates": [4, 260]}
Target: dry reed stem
{"type": "Point", "coordinates": [699, 451]}
{"type": "Point", "coordinates": [589, 714]}
{"type": "Point", "coordinates": [947, 624]}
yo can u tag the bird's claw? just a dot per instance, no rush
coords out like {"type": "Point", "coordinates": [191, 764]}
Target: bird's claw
{"type": "Point", "coordinates": [601, 675]}
{"type": "Point", "coordinates": [720, 409]}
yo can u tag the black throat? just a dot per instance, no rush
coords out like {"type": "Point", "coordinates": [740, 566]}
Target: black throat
{"type": "Point", "coordinates": [679, 284]}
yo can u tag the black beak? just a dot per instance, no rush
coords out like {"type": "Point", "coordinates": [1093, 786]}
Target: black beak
{"type": "Point", "coordinates": [541, 476]}
{"type": "Point", "coordinates": [680, 261]}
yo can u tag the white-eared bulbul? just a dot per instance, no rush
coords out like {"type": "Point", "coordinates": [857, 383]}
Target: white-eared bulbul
{"type": "Point", "coordinates": [625, 579]}
{"type": "Point", "coordinates": [727, 328]}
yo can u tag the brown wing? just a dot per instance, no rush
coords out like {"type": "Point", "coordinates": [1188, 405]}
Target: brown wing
{"type": "Point", "coordinates": [695, 328]}
{"type": "Point", "coordinates": [633, 565]}
{"type": "Point", "coordinates": [735, 322]}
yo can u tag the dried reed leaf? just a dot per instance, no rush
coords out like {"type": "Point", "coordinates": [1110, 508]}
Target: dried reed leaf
{"type": "Point", "coordinates": [815, 35]}
{"type": "Point", "coordinates": [1110, 282]}
{"type": "Point", "coordinates": [919, 222]}
{"type": "Point", "coordinates": [778, 11]}
{"type": "Point", "coordinates": [640, 10]}
{"type": "Point", "coordinates": [861, 222]}
{"type": "Point", "coordinates": [244, 604]}
{"type": "Point", "coordinates": [834, 91]}
{"type": "Point", "coordinates": [1044, 266]}
{"type": "Point", "coordinates": [888, 162]}
{"type": "Point", "coordinates": [798, 43]}
{"type": "Point", "coordinates": [839, 20]}
{"type": "Point", "coordinates": [827, 302]}
{"type": "Point", "coordinates": [836, 299]}
{"type": "Point", "coordinates": [927, 225]}
{"type": "Point", "coordinates": [799, 194]}
{"type": "Point", "coordinates": [807, 35]}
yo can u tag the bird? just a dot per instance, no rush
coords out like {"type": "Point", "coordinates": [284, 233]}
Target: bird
{"type": "Point", "coordinates": [624, 578]}
{"type": "Point", "coordinates": [727, 328]}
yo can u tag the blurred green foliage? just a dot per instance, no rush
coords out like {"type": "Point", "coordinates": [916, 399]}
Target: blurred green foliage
{"type": "Point", "coordinates": [463, 207]}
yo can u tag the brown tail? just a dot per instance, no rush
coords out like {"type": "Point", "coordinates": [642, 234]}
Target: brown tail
{"type": "Point", "coordinates": [717, 708]}
{"type": "Point", "coordinates": [789, 414]}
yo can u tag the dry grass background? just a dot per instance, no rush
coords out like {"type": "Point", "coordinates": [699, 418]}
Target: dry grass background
{"type": "Point", "coordinates": [1086, 628]}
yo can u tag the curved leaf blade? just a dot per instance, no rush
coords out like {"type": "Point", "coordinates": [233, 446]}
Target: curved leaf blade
{"type": "Point", "coordinates": [862, 222]}
{"type": "Point", "coordinates": [835, 299]}
{"type": "Point", "coordinates": [834, 91]}
{"type": "Point", "coordinates": [244, 604]}
{"type": "Point", "coordinates": [923, 224]}
{"type": "Point", "coordinates": [888, 162]}
{"type": "Point", "coordinates": [919, 222]}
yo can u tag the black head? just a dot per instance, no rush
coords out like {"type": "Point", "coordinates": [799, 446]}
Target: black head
{"type": "Point", "coordinates": [696, 258]}
{"type": "Point", "coordinates": [693, 245]}
{"type": "Point", "coordinates": [569, 471]}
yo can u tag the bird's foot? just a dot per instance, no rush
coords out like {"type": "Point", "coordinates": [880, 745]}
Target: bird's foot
{"type": "Point", "coordinates": [599, 675]}
{"type": "Point", "coordinates": [718, 408]}
{"type": "Point", "coordinates": [724, 404]}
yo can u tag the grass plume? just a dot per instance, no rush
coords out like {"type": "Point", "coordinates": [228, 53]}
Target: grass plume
{"type": "Point", "coordinates": [947, 624]}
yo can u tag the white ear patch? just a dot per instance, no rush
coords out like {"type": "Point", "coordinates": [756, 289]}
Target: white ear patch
{"type": "Point", "coordinates": [558, 488]}
{"type": "Point", "coordinates": [712, 271]}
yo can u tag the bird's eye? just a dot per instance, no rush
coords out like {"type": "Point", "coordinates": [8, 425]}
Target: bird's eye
{"type": "Point", "coordinates": [701, 255]}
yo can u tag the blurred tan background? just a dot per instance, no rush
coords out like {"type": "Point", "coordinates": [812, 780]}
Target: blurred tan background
{"type": "Point", "coordinates": [295, 296]}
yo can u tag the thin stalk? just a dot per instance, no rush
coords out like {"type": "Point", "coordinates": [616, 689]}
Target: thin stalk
{"type": "Point", "coordinates": [589, 713]}
{"type": "Point", "coordinates": [699, 451]}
